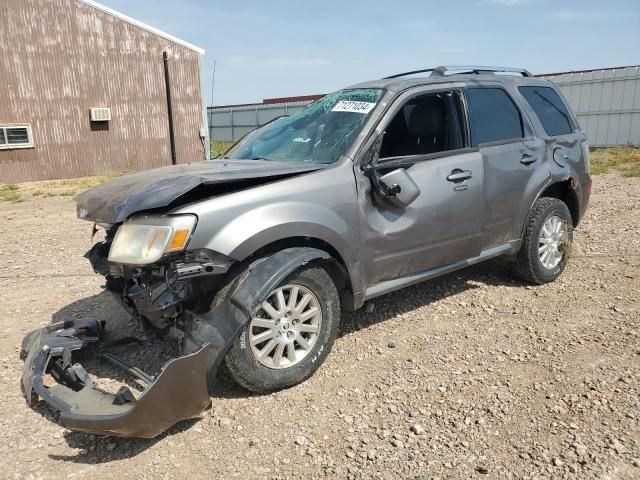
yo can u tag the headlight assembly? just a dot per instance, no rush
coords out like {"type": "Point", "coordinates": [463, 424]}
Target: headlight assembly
{"type": "Point", "coordinates": [145, 239]}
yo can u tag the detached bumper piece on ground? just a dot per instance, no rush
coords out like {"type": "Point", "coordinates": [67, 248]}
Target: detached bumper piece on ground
{"type": "Point", "coordinates": [179, 392]}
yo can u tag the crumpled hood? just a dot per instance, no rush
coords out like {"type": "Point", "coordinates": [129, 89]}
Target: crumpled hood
{"type": "Point", "coordinates": [114, 201]}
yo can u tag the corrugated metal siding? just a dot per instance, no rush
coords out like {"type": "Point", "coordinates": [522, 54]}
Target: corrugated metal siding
{"type": "Point", "coordinates": [232, 123]}
{"type": "Point", "coordinates": [62, 57]}
{"type": "Point", "coordinates": [606, 102]}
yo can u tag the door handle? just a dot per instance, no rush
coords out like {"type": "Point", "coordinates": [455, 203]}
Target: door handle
{"type": "Point", "coordinates": [527, 159]}
{"type": "Point", "coordinates": [458, 175]}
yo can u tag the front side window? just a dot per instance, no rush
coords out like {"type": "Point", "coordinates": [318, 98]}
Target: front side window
{"type": "Point", "coordinates": [320, 133]}
{"type": "Point", "coordinates": [549, 108]}
{"type": "Point", "coordinates": [425, 125]}
{"type": "Point", "coordinates": [493, 117]}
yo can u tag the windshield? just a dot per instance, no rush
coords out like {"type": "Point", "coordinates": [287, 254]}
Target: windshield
{"type": "Point", "coordinates": [320, 133]}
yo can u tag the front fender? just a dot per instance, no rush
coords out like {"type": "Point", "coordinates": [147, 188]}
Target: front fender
{"type": "Point", "coordinates": [321, 205]}
{"type": "Point", "coordinates": [264, 225]}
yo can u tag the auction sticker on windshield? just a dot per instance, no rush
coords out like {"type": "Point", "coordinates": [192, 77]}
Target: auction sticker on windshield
{"type": "Point", "coordinates": [355, 107]}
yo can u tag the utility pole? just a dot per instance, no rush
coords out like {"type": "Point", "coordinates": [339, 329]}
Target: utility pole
{"type": "Point", "coordinates": [213, 82]}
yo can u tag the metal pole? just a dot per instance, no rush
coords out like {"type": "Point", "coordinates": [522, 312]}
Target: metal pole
{"type": "Point", "coordinates": [172, 139]}
{"type": "Point", "coordinates": [213, 82]}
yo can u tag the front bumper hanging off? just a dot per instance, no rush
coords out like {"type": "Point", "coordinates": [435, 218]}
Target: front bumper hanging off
{"type": "Point", "coordinates": [179, 392]}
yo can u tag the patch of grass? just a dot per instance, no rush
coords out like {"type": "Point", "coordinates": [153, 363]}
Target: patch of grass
{"type": "Point", "coordinates": [10, 193]}
{"type": "Point", "coordinates": [624, 159]}
{"type": "Point", "coordinates": [53, 188]}
{"type": "Point", "coordinates": [64, 188]}
{"type": "Point", "coordinates": [40, 193]}
{"type": "Point", "coordinates": [631, 169]}
{"type": "Point", "coordinates": [220, 147]}
{"type": "Point", "coordinates": [108, 176]}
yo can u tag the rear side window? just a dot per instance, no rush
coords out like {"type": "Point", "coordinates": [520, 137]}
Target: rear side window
{"type": "Point", "coordinates": [493, 116]}
{"type": "Point", "coordinates": [549, 108]}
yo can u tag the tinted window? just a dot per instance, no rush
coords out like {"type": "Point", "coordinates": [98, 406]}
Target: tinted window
{"type": "Point", "coordinates": [549, 108]}
{"type": "Point", "coordinates": [493, 116]}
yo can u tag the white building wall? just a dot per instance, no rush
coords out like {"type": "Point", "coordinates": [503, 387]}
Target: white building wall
{"type": "Point", "coordinates": [606, 102]}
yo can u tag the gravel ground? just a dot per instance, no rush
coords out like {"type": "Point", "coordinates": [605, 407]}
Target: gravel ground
{"type": "Point", "coordinates": [474, 375]}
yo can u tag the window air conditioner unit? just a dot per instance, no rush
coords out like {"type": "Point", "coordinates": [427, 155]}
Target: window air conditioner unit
{"type": "Point", "coordinates": [100, 114]}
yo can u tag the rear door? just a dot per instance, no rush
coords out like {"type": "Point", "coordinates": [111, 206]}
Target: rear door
{"type": "Point", "coordinates": [563, 136]}
{"type": "Point", "coordinates": [512, 160]}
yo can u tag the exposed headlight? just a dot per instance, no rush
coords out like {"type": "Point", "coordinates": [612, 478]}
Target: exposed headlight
{"type": "Point", "coordinates": [145, 239]}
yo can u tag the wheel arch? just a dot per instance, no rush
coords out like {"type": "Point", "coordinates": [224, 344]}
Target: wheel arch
{"type": "Point", "coordinates": [565, 191]}
{"type": "Point", "coordinates": [335, 265]}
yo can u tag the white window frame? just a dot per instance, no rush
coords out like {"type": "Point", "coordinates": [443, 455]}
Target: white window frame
{"type": "Point", "coordinates": [13, 146]}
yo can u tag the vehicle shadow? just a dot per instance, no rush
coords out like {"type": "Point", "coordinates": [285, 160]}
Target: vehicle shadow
{"type": "Point", "coordinates": [92, 449]}
{"type": "Point", "coordinates": [495, 272]}
{"type": "Point", "coordinates": [95, 449]}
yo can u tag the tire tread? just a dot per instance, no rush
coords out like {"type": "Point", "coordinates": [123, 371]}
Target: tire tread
{"type": "Point", "coordinates": [238, 371]}
{"type": "Point", "coordinates": [525, 266]}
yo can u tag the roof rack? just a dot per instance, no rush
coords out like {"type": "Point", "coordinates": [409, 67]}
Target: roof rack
{"type": "Point", "coordinates": [398, 75]}
{"type": "Point", "coordinates": [475, 69]}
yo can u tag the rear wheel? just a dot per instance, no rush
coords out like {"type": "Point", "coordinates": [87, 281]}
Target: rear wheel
{"type": "Point", "coordinates": [290, 335]}
{"type": "Point", "coordinates": [546, 243]}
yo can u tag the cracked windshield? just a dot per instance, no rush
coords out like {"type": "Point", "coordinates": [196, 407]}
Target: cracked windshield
{"type": "Point", "coordinates": [320, 133]}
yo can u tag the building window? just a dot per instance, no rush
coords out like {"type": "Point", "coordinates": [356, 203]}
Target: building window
{"type": "Point", "coordinates": [15, 136]}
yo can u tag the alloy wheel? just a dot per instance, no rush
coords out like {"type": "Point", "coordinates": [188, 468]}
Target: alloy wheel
{"type": "Point", "coordinates": [552, 240]}
{"type": "Point", "coordinates": [286, 327]}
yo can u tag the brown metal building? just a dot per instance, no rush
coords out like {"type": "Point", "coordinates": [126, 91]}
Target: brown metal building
{"type": "Point", "coordinates": [67, 66]}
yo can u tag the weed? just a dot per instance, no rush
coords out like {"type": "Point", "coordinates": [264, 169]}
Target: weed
{"type": "Point", "coordinates": [625, 159]}
{"type": "Point", "coordinates": [64, 188]}
{"type": "Point", "coordinates": [219, 148]}
{"type": "Point", "coordinates": [108, 176]}
{"type": "Point", "coordinates": [10, 193]}
{"type": "Point", "coordinates": [631, 170]}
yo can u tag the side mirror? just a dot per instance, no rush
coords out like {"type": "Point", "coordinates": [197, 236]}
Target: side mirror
{"type": "Point", "coordinates": [398, 187]}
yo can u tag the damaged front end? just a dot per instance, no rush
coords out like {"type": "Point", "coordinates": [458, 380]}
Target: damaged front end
{"type": "Point", "coordinates": [171, 287]}
{"type": "Point", "coordinates": [179, 392]}
{"type": "Point", "coordinates": [170, 299]}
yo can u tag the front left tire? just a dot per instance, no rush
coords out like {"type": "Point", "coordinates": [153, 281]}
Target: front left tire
{"type": "Point", "coordinates": [290, 335]}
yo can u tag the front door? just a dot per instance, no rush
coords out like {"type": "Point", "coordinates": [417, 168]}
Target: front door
{"type": "Point", "coordinates": [424, 135]}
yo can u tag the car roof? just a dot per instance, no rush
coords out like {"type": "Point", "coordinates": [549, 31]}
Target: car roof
{"type": "Point", "coordinates": [472, 75]}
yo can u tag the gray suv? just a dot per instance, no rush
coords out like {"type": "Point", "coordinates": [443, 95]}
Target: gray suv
{"type": "Point", "coordinates": [250, 259]}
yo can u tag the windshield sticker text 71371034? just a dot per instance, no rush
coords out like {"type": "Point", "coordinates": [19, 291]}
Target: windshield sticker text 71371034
{"type": "Point", "coordinates": [352, 106]}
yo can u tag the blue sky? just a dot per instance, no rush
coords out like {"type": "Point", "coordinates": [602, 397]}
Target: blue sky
{"type": "Point", "coordinates": [281, 47]}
